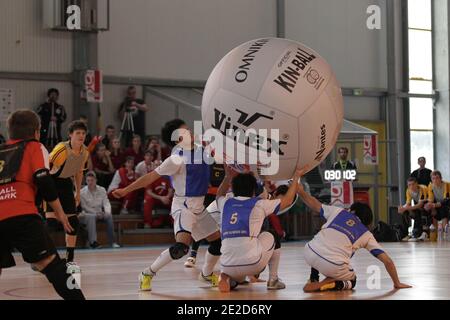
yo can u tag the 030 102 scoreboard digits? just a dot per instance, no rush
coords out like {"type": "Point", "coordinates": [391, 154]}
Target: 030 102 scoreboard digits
{"type": "Point", "coordinates": [338, 175]}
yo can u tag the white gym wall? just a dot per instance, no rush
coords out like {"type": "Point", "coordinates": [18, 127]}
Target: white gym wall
{"type": "Point", "coordinates": [184, 39]}
{"type": "Point", "coordinates": [338, 31]}
{"type": "Point", "coordinates": [27, 47]}
{"type": "Point", "coordinates": [179, 39]}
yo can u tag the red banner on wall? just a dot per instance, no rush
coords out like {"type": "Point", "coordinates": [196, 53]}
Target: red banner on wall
{"type": "Point", "coordinates": [93, 81]}
{"type": "Point", "coordinates": [371, 149]}
{"type": "Point", "coordinates": [342, 194]}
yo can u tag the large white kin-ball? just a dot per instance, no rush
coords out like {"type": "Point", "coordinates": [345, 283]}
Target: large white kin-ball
{"type": "Point", "coordinates": [274, 83]}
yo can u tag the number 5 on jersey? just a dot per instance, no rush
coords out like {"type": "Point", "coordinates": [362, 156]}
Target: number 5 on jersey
{"type": "Point", "coordinates": [234, 218]}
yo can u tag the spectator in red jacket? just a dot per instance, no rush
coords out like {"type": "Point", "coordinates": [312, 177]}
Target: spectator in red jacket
{"type": "Point", "coordinates": [123, 178]}
{"type": "Point", "coordinates": [154, 145]}
{"type": "Point", "coordinates": [117, 154]}
{"type": "Point", "coordinates": [135, 150]}
{"type": "Point", "coordinates": [102, 165]}
{"type": "Point", "coordinates": [157, 195]}
{"type": "Point", "coordinates": [110, 133]}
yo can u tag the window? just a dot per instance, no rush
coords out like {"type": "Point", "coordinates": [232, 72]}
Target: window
{"type": "Point", "coordinates": [420, 81]}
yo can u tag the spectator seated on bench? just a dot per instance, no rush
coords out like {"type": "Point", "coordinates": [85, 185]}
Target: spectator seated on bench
{"type": "Point", "coordinates": [416, 197]}
{"type": "Point", "coordinates": [96, 207]}
{"type": "Point", "coordinates": [438, 199]}
{"type": "Point", "coordinates": [158, 195]}
{"type": "Point", "coordinates": [123, 178]}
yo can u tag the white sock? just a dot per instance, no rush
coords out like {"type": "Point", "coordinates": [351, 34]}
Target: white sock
{"type": "Point", "coordinates": [163, 259]}
{"type": "Point", "coordinates": [210, 263]}
{"type": "Point", "coordinates": [273, 264]}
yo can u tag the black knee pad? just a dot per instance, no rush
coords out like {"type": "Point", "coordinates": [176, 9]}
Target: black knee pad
{"type": "Point", "coordinates": [214, 247]}
{"type": "Point", "coordinates": [75, 223]}
{"type": "Point", "coordinates": [353, 283]}
{"type": "Point", "coordinates": [345, 285]}
{"type": "Point", "coordinates": [178, 250]}
{"type": "Point", "coordinates": [277, 239]}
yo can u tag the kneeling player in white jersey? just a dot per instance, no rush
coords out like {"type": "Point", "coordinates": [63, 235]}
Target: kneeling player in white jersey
{"type": "Point", "coordinates": [189, 174]}
{"type": "Point", "coordinates": [330, 251]}
{"type": "Point", "coordinates": [246, 251]}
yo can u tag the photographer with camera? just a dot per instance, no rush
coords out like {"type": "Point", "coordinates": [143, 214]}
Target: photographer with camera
{"type": "Point", "coordinates": [135, 109]}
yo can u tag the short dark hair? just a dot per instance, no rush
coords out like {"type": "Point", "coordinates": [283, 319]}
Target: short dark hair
{"type": "Point", "coordinates": [343, 148]}
{"type": "Point", "coordinates": [22, 124]}
{"type": "Point", "coordinates": [129, 158]}
{"type": "Point", "coordinates": [131, 88]}
{"type": "Point", "coordinates": [411, 179]}
{"type": "Point", "coordinates": [91, 174]}
{"type": "Point", "coordinates": [418, 159]}
{"type": "Point", "coordinates": [77, 125]}
{"type": "Point", "coordinates": [52, 90]}
{"type": "Point", "coordinates": [109, 126]}
{"type": "Point", "coordinates": [151, 152]}
{"type": "Point", "coordinates": [168, 129]}
{"type": "Point", "coordinates": [244, 185]}
{"type": "Point", "coordinates": [98, 146]}
{"type": "Point", "coordinates": [281, 190]}
{"type": "Point", "coordinates": [363, 212]}
{"type": "Point", "coordinates": [436, 173]}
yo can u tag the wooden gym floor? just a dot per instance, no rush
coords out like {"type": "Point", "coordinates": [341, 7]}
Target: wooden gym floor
{"type": "Point", "coordinates": [112, 274]}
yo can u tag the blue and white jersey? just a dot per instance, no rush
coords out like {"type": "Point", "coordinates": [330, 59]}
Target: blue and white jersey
{"type": "Point", "coordinates": [242, 219]}
{"type": "Point", "coordinates": [341, 236]}
{"type": "Point", "coordinates": [188, 171]}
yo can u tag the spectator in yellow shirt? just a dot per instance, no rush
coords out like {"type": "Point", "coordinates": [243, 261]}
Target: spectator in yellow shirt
{"type": "Point", "coordinates": [438, 196]}
{"type": "Point", "coordinates": [416, 197]}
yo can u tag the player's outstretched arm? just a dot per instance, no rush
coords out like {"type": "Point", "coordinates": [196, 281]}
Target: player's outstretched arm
{"type": "Point", "coordinates": [390, 268]}
{"type": "Point", "coordinates": [140, 183]}
{"type": "Point", "coordinates": [287, 199]}
{"type": "Point", "coordinates": [311, 202]}
{"type": "Point", "coordinates": [225, 185]}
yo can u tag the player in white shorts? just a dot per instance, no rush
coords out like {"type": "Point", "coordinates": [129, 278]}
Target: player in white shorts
{"type": "Point", "coordinates": [246, 251]}
{"type": "Point", "coordinates": [189, 173]}
{"type": "Point", "coordinates": [330, 251]}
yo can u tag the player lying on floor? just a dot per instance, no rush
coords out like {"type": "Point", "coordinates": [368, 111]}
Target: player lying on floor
{"type": "Point", "coordinates": [246, 251]}
{"type": "Point", "coordinates": [330, 251]}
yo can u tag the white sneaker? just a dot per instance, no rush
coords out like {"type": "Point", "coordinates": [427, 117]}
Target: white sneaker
{"type": "Point", "coordinates": [407, 238]}
{"type": "Point", "coordinates": [190, 262]}
{"type": "Point", "coordinates": [124, 211]}
{"type": "Point", "coordinates": [73, 268]}
{"type": "Point", "coordinates": [275, 284]}
{"type": "Point", "coordinates": [423, 237]}
{"type": "Point", "coordinates": [115, 245]}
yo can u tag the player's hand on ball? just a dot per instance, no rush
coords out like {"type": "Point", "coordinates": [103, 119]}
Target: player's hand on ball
{"type": "Point", "coordinates": [301, 171]}
{"type": "Point", "coordinates": [119, 193]}
{"type": "Point", "coordinates": [229, 171]}
{"type": "Point", "coordinates": [402, 286]}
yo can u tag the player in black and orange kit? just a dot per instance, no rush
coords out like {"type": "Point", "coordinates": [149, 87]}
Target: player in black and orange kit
{"type": "Point", "coordinates": [24, 169]}
{"type": "Point", "coordinates": [68, 160]}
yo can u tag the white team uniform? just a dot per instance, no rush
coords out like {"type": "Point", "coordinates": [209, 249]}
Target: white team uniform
{"type": "Point", "coordinates": [332, 248]}
{"type": "Point", "coordinates": [214, 211]}
{"type": "Point", "coordinates": [189, 175]}
{"type": "Point", "coordinates": [245, 250]}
